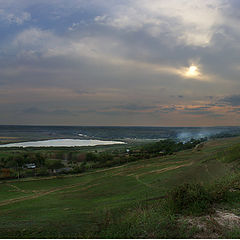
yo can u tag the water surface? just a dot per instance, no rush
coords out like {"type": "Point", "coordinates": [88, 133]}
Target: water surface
{"type": "Point", "coordinates": [62, 143]}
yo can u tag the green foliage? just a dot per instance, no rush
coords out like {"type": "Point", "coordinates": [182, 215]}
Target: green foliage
{"type": "Point", "coordinates": [54, 164]}
{"type": "Point", "coordinates": [233, 234]}
{"type": "Point", "coordinates": [230, 155]}
{"type": "Point", "coordinates": [189, 199]}
{"type": "Point", "coordinates": [170, 146]}
{"type": "Point", "coordinates": [220, 189]}
{"type": "Point", "coordinates": [39, 160]}
{"type": "Point", "coordinates": [91, 157]}
{"type": "Point", "coordinates": [15, 161]}
{"type": "Point", "coordinates": [195, 199]}
{"type": "Point", "coordinates": [80, 169]}
{"type": "Point", "coordinates": [104, 157]}
{"type": "Point", "coordinates": [141, 222]}
{"type": "Point", "coordinates": [42, 171]}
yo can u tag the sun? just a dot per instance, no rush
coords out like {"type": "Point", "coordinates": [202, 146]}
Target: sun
{"type": "Point", "coordinates": [192, 71]}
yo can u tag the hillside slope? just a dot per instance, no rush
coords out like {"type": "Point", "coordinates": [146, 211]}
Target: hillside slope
{"type": "Point", "coordinates": [119, 202]}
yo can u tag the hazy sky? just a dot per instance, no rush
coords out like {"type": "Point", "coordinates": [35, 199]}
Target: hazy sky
{"type": "Point", "coordinates": [120, 62]}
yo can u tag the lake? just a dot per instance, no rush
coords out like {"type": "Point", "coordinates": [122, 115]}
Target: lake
{"type": "Point", "coordinates": [62, 143]}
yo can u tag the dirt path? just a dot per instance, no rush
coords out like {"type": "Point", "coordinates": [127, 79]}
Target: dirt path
{"type": "Point", "coordinates": [140, 181]}
{"type": "Point", "coordinates": [159, 171]}
{"type": "Point", "coordinates": [66, 176]}
{"type": "Point", "coordinates": [130, 172]}
{"type": "Point", "coordinates": [16, 188]}
{"type": "Point", "coordinates": [82, 189]}
{"type": "Point", "coordinates": [37, 195]}
{"type": "Point", "coordinates": [170, 168]}
{"type": "Point", "coordinates": [20, 199]}
{"type": "Point", "coordinates": [41, 194]}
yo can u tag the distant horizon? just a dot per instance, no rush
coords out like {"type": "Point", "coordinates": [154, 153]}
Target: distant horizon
{"type": "Point", "coordinates": [35, 125]}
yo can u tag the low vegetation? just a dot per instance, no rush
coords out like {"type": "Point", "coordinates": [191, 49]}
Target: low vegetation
{"type": "Point", "coordinates": [14, 164]}
{"type": "Point", "coordinates": [187, 190]}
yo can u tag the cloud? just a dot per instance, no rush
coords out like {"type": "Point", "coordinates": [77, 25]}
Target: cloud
{"type": "Point", "coordinates": [190, 22]}
{"type": "Point", "coordinates": [40, 111]}
{"type": "Point", "coordinates": [134, 107]}
{"type": "Point", "coordinates": [199, 111]}
{"type": "Point", "coordinates": [125, 57]}
{"type": "Point", "coordinates": [18, 18]}
{"type": "Point", "coordinates": [233, 100]}
{"type": "Point", "coordinates": [35, 43]}
{"type": "Point", "coordinates": [33, 110]}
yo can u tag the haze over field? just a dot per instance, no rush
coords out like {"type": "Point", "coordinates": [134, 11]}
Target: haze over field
{"type": "Point", "coordinates": [125, 62]}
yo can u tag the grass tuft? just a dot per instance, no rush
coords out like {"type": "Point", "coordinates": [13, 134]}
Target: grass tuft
{"type": "Point", "coordinates": [189, 199]}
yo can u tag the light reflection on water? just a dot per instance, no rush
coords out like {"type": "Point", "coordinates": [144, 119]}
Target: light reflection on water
{"type": "Point", "coordinates": [62, 143]}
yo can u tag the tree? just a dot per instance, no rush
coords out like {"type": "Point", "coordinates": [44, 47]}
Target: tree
{"type": "Point", "coordinates": [104, 157]}
{"type": "Point", "coordinates": [91, 157]}
{"type": "Point", "coordinates": [54, 164]}
{"type": "Point", "coordinates": [17, 162]}
{"type": "Point", "coordinates": [39, 160]}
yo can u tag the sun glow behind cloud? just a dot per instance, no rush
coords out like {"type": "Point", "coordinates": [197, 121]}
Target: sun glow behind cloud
{"type": "Point", "coordinates": [192, 71]}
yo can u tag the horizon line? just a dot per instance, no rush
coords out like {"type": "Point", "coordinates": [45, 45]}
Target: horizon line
{"type": "Point", "coordinates": [147, 126]}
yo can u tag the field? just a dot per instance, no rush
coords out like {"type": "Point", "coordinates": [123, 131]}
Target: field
{"type": "Point", "coordinates": [85, 205]}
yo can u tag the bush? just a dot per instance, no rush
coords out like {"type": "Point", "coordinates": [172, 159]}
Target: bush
{"type": "Point", "coordinates": [170, 146]}
{"type": "Point", "coordinates": [230, 155]}
{"type": "Point", "coordinates": [189, 199]}
{"type": "Point", "coordinates": [54, 164]}
{"type": "Point", "coordinates": [42, 171]}
{"type": "Point", "coordinates": [142, 222]}
{"type": "Point", "coordinates": [80, 169]}
{"type": "Point", "coordinates": [91, 157]}
{"type": "Point", "coordinates": [220, 190]}
{"type": "Point", "coordinates": [105, 157]}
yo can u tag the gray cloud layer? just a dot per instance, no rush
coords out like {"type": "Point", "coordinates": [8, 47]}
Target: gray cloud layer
{"type": "Point", "coordinates": [108, 62]}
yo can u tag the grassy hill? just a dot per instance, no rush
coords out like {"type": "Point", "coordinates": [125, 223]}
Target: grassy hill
{"type": "Point", "coordinates": [135, 200]}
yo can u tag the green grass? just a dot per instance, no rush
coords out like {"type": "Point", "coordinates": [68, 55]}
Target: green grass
{"type": "Point", "coordinates": [233, 234]}
{"type": "Point", "coordinates": [114, 202]}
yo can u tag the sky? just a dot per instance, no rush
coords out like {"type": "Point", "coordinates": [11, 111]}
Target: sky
{"type": "Point", "coordinates": [120, 62]}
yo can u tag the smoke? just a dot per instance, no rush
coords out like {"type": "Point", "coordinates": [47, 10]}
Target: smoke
{"type": "Point", "coordinates": [187, 135]}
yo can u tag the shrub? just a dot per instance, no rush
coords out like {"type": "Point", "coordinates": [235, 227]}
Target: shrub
{"type": "Point", "coordinates": [80, 169]}
{"type": "Point", "coordinates": [42, 171]}
{"type": "Point", "coordinates": [221, 189]}
{"type": "Point", "coordinates": [189, 199]}
{"type": "Point", "coordinates": [141, 222]}
{"type": "Point", "coordinates": [54, 164]}
{"type": "Point", "coordinates": [91, 157]}
{"type": "Point", "coordinates": [230, 155]}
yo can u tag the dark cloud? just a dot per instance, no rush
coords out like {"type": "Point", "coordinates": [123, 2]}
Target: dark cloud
{"type": "Point", "coordinates": [204, 110]}
{"type": "Point", "coordinates": [234, 110]}
{"type": "Point", "coordinates": [166, 109]}
{"type": "Point", "coordinates": [203, 113]}
{"type": "Point", "coordinates": [33, 110]}
{"type": "Point", "coordinates": [196, 108]}
{"type": "Point", "coordinates": [134, 107]}
{"type": "Point", "coordinates": [233, 100]}
{"type": "Point", "coordinates": [39, 111]}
